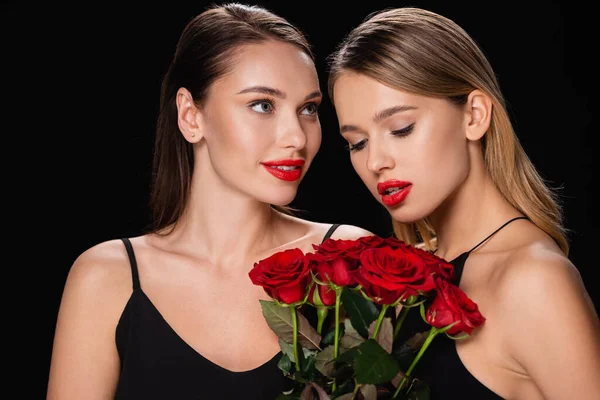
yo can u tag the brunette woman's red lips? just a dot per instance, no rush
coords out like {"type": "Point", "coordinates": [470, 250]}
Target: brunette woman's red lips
{"type": "Point", "coordinates": [393, 191]}
{"type": "Point", "coordinates": [286, 170]}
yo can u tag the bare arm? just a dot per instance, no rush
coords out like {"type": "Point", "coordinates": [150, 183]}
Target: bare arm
{"type": "Point", "coordinates": [553, 328]}
{"type": "Point", "coordinates": [85, 363]}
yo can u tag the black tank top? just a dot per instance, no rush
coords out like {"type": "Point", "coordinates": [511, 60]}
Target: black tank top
{"type": "Point", "coordinates": [156, 363]}
{"type": "Point", "coordinates": [440, 366]}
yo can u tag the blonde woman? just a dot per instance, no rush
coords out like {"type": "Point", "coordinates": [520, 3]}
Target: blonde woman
{"type": "Point", "coordinates": [429, 135]}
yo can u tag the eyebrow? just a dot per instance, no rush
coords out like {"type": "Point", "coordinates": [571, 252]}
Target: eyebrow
{"type": "Point", "coordinates": [264, 90]}
{"type": "Point", "coordinates": [276, 92]}
{"type": "Point", "coordinates": [380, 116]}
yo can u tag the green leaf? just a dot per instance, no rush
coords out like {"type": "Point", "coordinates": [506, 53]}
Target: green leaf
{"type": "Point", "coordinates": [385, 336]}
{"type": "Point", "coordinates": [288, 350]}
{"type": "Point", "coordinates": [324, 361]}
{"type": "Point", "coordinates": [351, 337]}
{"type": "Point", "coordinates": [280, 321]}
{"type": "Point", "coordinates": [360, 310]}
{"type": "Point", "coordinates": [285, 364]}
{"type": "Point", "coordinates": [419, 391]}
{"type": "Point", "coordinates": [347, 356]}
{"type": "Point", "coordinates": [373, 364]}
{"type": "Point", "coordinates": [328, 338]}
{"type": "Point", "coordinates": [346, 387]}
{"type": "Point", "coordinates": [308, 368]}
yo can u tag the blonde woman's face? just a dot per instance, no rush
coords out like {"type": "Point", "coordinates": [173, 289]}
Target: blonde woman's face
{"type": "Point", "coordinates": [261, 124]}
{"type": "Point", "coordinates": [409, 150]}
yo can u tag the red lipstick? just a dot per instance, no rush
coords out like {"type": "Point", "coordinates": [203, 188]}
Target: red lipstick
{"type": "Point", "coordinates": [393, 191]}
{"type": "Point", "coordinates": [286, 170]}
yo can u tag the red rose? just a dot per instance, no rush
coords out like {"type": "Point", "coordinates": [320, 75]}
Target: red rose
{"type": "Point", "coordinates": [325, 293]}
{"type": "Point", "coordinates": [452, 305]}
{"type": "Point", "coordinates": [322, 271]}
{"type": "Point", "coordinates": [335, 247]}
{"type": "Point", "coordinates": [387, 274]}
{"type": "Point", "coordinates": [395, 243]}
{"type": "Point", "coordinates": [435, 264]}
{"type": "Point", "coordinates": [342, 257]}
{"type": "Point", "coordinates": [371, 241]}
{"type": "Point", "coordinates": [338, 269]}
{"type": "Point", "coordinates": [284, 275]}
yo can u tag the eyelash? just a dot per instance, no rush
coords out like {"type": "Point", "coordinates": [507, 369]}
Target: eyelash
{"type": "Point", "coordinates": [272, 105]}
{"type": "Point", "coordinates": [397, 133]}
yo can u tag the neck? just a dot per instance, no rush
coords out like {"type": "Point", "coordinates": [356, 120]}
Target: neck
{"type": "Point", "coordinates": [223, 225]}
{"type": "Point", "coordinates": [470, 214]}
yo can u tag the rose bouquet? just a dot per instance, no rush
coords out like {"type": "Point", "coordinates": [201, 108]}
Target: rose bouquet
{"type": "Point", "coordinates": [338, 311]}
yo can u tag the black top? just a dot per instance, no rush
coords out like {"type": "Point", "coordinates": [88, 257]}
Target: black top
{"type": "Point", "coordinates": [440, 366]}
{"type": "Point", "coordinates": [156, 363]}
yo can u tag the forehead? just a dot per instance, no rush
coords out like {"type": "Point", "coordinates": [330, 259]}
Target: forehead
{"type": "Point", "coordinates": [358, 96]}
{"type": "Point", "coordinates": [354, 90]}
{"type": "Point", "coordinates": [271, 63]}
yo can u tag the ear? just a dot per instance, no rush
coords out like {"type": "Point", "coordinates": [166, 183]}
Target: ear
{"type": "Point", "coordinates": [189, 116]}
{"type": "Point", "coordinates": [479, 114]}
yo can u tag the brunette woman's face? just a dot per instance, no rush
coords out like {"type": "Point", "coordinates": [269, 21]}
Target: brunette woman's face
{"type": "Point", "coordinates": [260, 121]}
{"type": "Point", "coordinates": [411, 151]}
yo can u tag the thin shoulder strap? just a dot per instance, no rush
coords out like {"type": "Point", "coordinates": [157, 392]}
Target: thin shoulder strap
{"type": "Point", "coordinates": [134, 269]}
{"type": "Point", "coordinates": [330, 232]}
{"type": "Point", "coordinates": [496, 231]}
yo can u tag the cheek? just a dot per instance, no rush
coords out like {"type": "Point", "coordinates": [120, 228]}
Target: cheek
{"type": "Point", "coordinates": [234, 135]}
{"type": "Point", "coordinates": [441, 162]}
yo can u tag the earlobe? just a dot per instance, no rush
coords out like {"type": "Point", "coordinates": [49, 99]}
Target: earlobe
{"type": "Point", "coordinates": [189, 117]}
{"type": "Point", "coordinates": [479, 108]}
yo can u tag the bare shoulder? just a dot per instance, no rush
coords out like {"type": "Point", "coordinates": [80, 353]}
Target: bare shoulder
{"type": "Point", "coordinates": [101, 270]}
{"type": "Point", "coordinates": [350, 232]}
{"type": "Point", "coordinates": [316, 231]}
{"type": "Point", "coordinates": [539, 276]}
{"type": "Point", "coordinates": [341, 231]}
{"type": "Point", "coordinates": [539, 267]}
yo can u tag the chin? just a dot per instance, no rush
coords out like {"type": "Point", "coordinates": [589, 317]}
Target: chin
{"type": "Point", "coordinates": [280, 197]}
{"type": "Point", "coordinates": [406, 215]}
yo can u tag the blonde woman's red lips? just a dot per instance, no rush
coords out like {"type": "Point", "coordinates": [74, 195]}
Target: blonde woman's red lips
{"type": "Point", "coordinates": [393, 191]}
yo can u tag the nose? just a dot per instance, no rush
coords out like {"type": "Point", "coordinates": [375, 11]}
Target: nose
{"type": "Point", "coordinates": [292, 134]}
{"type": "Point", "coordinates": [379, 156]}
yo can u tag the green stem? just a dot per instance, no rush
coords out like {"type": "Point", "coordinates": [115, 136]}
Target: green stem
{"type": "Point", "coordinates": [380, 320]}
{"type": "Point", "coordinates": [295, 344]}
{"type": "Point", "coordinates": [403, 314]}
{"type": "Point", "coordinates": [322, 315]}
{"type": "Point", "coordinates": [336, 345]}
{"type": "Point", "coordinates": [433, 332]}
{"type": "Point", "coordinates": [355, 392]}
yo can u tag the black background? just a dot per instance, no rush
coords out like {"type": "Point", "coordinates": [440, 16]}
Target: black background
{"type": "Point", "coordinates": [81, 89]}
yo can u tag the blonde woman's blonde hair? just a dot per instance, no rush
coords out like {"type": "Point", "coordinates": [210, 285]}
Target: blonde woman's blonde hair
{"type": "Point", "coordinates": [422, 52]}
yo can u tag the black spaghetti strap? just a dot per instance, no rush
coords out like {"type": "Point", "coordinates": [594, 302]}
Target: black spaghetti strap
{"type": "Point", "coordinates": [134, 269]}
{"type": "Point", "coordinates": [330, 232]}
{"type": "Point", "coordinates": [496, 231]}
